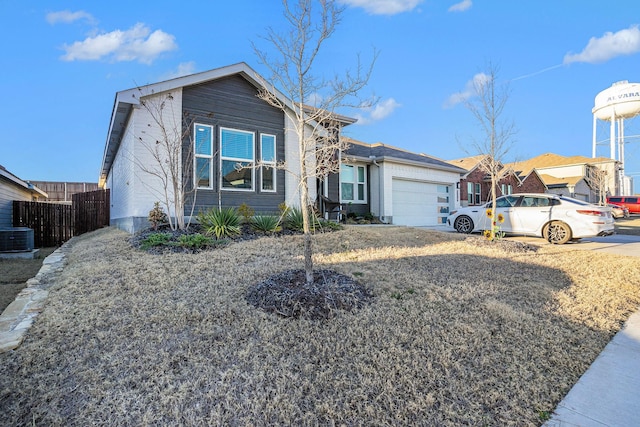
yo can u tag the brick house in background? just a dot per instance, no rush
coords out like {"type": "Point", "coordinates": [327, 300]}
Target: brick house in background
{"type": "Point", "coordinates": [531, 183]}
{"type": "Point", "coordinates": [475, 185]}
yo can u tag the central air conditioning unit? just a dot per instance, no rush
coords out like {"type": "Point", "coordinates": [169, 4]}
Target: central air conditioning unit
{"type": "Point", "coordinates": [16, 239]}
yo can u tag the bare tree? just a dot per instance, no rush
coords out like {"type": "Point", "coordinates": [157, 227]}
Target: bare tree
{"type": "Point", "coordinates": [596, 179]}
{"type": "Point", "coordinates": [488, 108]}
{"type": "Point", "coordinates": [171, 164]}
{"type": "Point", "coordinates": [314, 122]}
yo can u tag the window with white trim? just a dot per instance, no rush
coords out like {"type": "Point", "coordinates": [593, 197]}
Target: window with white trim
{"type": "Point", "coordinates": [473, 193]}
{"type": "Point", "coordinates": [353, 184]}
{"type": "Point", "coordinates": [237, 150]}
{"type": "Point", "coordinates": [268, 157]}
{"type": "Point", "coordinates": [203, 159]}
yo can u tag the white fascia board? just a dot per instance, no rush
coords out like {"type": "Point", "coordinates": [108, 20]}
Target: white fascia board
{"type": "Point", "coordinates": [451, 168]}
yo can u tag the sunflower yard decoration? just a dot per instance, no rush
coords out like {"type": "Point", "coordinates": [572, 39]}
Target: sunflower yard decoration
{"type": "Point", "coordinates": [495, 233]}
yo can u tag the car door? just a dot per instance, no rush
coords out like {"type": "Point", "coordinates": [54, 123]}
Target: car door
{"type": "Point", "coordinates": [505, 210]}
{"type": "Point", "coordinates": [532, 213]}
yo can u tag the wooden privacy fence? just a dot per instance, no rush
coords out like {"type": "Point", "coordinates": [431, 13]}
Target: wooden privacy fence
{"type": "Point", "coordinates": [53, 223]}
{"type": "Point", "coordinates": [91, 211]}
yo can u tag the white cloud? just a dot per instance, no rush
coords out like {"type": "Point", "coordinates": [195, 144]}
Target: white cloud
{"type": "Point", "coordinates": [610, 45]}
{"type": "Point", "coordinates": [184, 69]}
{"type": "Point", "coordinates": [469, 90]}
{"type": "Point", "coordinates": [137, 43]}
{"type": "Point", "coordinates": [384, 7]}
{"type": "Point", "coordinates": [461, 7]}
{"type": "Point", "coordinates": [67, 17]}
{"type": "Point", "coordinates": [377, 112]}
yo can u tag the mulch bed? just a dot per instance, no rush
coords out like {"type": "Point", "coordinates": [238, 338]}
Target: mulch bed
{"type": "Point", "coordinates": [506, 245]}
{"type": "Point", "coordinates": [287, 294]}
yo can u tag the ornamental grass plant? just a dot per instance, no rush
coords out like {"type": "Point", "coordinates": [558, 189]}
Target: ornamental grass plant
{"type": "Point", "coordinates": [460, 331]}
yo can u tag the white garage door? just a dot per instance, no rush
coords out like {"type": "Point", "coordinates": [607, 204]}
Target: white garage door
{"type": "Point", "coordinates": [418, 203]}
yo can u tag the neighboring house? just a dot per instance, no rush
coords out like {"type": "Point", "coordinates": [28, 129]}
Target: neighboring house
{"type": "Point", "coordinates": [581, 177]}
{"type": "Point", "coordinates": [395, 185]}
{"type": "Point", "coordinates": [13, 188]}
{"type": "Point", "coordinates": [573, 186]}
{"type": "Point", "coordinates": [531, 183]}
{"type": "Point", "coordinates": [230, 126]}
{"type": "Point", "coordinates": [475, 184]}
{"type": "Point", "coordinates": [61, 192]}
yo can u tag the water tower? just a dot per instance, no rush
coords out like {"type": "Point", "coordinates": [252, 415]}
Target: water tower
{"type": "Point", "coordinates": [619, 102]}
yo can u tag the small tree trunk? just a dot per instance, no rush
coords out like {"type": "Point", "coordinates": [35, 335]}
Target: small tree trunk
{"type": "Point", "coordinates": [306, 228]}
{"type": "Point", "coordinates": [494, 217]}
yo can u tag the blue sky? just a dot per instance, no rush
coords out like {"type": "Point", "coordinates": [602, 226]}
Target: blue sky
{"type": "Point", "coordinates": [63, 62]}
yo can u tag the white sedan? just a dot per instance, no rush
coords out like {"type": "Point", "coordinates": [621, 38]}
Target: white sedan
{"type": "Point", "coordinates": [558, 219]}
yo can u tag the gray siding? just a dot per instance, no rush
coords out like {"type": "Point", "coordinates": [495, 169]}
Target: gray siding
{"type": "Point", "coordinates": [232, 103]}
{"type": "Point", "coordinates": [9, 192]}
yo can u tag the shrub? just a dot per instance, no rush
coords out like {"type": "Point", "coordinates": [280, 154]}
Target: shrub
{"type": "Point", "coordinates": [155, 239]}
{"type": "Point", "coordinates": [294, 221]}
{"type": "Point", "coordinates": [221, 223]}
{"type": "Point", "coordinates": [266, 223]}
{"type": "Point", "coordinates": [329, 225]}
{"type": "Point", "coordinates": [246, 212]}
{"type": "Point", "coordinates": [368, 216]}
{"type": "Point", "coordinates": [157, 216]}
{"type": "Point", "coordinates": [194, 241]}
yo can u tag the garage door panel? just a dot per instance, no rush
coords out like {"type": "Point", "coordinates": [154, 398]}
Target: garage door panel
{"type": "Point", "coordinates": [414, 203]}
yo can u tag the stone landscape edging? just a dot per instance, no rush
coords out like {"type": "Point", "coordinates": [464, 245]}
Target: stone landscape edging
{"type": "Point", "coordinates": [18, 317]}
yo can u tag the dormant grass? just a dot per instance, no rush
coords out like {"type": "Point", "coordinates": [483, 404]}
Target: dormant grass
{"type": "Point", "coordinates": [459, 333]}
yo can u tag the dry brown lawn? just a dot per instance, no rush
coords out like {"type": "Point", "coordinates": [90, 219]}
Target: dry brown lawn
{"type": "Point", "coordinates": [458, 334]}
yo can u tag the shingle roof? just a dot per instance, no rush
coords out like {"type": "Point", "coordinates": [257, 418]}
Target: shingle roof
{"type": "Point", "coordinates": [564, 181]}
{"type": "Point", "coordinates": [548, 160]}
{"type": "Point", "coordinates": [382, 152]}
{"type": "Point", "coordinates": [468, 163]}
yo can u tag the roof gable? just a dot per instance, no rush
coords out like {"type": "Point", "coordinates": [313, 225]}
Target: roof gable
{"type": "Point", "coordinates": [126, 99]}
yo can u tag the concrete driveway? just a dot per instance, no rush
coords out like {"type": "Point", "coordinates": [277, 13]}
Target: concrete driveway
{"type": "Point", "coordinates": [620, 244]}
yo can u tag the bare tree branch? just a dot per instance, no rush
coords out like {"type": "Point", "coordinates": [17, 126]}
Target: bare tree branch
{"type": "Point", "coordinates": [170, 164]}
{"type": "Point", "coordinates": [317, 126]}
{"type": "Point", "coordinates": [488, 109]}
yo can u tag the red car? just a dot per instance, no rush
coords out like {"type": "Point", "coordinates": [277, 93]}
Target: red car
{"type": "Point", "coordinates": [631, 202]}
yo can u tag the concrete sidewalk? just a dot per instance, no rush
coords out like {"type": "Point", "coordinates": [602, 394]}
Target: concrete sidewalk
{"type": "Point", "coordinates": [608, 394]}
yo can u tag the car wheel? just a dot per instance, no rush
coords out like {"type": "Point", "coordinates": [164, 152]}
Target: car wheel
{"type": "Point", "coordinates": [463, 224]}
{"type": "Point", "coordinates": [557, 233]}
